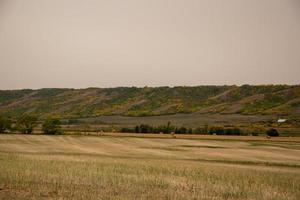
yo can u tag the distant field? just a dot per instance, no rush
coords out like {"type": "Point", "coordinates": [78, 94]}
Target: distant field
{"type": "Point", "coordinates": [193, 120]}
{"type": "Point", "coordinates": [190, 120]}
{"type": "Point", "coordinates": [106, 167]}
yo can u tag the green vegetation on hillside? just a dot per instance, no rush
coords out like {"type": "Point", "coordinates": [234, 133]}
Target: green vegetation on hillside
{"type": "Point", "coordinates": [149, 101]}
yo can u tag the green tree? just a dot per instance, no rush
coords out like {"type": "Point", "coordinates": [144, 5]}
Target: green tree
{"type": "Point", "coordinates": [51, 126]}
{"type": "Point", "coordinates": [272, 132]}
{"type": "Point", "coordinates": [26, 123]}
{"type": "Point", "coordinates": [205, 130]}
{"type": "Point", "coordinates": [233, 131]}
{"type": "Point", "coordinates": [167, 128]}
{"type": "Point", "coordinates": [137, 129]}
{"type": "Point", "coordinates": [181, 130]}
{"type": "Point", "coordinates": [216, 130]}
{"type": "Point", "coordinates": [5, 124]}
{"type": "Point", "coordinates": [145, 128]}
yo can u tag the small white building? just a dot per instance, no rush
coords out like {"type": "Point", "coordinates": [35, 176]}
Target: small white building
{"type": "Point", "coordinates": [281, 120]}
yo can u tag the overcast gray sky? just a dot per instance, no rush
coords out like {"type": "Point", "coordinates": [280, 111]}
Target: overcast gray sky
{"type": "Point", "coordinates": [108, 43]}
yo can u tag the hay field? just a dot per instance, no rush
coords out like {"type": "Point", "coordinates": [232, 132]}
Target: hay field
{"type": "Point", "coordinates": [90, 167]}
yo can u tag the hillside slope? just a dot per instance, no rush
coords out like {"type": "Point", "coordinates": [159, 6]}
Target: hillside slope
{"type": "Point", "coordinates": [132, 101]}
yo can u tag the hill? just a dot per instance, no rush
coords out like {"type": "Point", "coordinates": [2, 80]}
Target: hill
{"type": "Point", "coordinates": [148, 101]}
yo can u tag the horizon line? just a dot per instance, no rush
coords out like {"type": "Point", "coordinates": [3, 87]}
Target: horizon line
{"type": "Point", "coordinates": [168, 86]}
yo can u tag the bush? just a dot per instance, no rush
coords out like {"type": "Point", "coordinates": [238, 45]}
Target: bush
{"type": "Point", "coordinates": [127, 130]}
{"type": "Point", "coordinates": [216, 130]}
{"type": "Point", "coordinates": [51, 126]}
{"type": "Point", "coordinates": [254, 134]}
{"type": "Point", "coordinates": [26, 123]}
{"type": "Point", "coordinates": [145, 128]}
{"type": "Point", "coordinates": [200, 130]}
{"type": "Point", "coordinates": [233, 131]}
{"type": "Point", "coordinates": [272, 132]}
{"type": "Point", "coordinates": [5, 124]}
{"type": "Point", "coordinates": [181, 130]}
{"type": "Point", "coordinates": [137, 129]}
{"type": "Point", "coordinates": [167, 128]}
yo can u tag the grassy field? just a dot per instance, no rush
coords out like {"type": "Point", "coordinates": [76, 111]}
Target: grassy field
{"type": "Point", "coordinates": [194, 120]}
{"type": "Point", "coordinates": [191, 120]}
{"type": "Point", "coordinates": [106, 167]}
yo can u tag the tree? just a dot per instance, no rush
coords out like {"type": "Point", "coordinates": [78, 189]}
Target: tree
{"type": "Point", "coordinates": [5, 124]}
{"type": "Point", "coordinates": [181, 130]}
{"type": "Point", "coordinates": [169, 128]}
{"type": "Point", "coordinates": [51, 126]}
{"type": "Point", "coordinates": [205, 130]}
{"type": "Point", "coordinates": [233, 131]}
{"type": "Point", "coordinates": [127, 130]}
{"type": "Point", "coordinates": [137, 129]}
{"type": "Point", "coordinates": [216, 130]}
{"type": "Point", "coordinates": [166, 128]}
{"type": "Point", "coordinates": [272, 132]}
{"type": "Point", "coordinates": [26, 123]}
{"type": "Point", "coordinates": [145, 128]}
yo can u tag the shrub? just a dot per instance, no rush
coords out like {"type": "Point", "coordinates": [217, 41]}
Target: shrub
{"type": "Point", "coordinates": [216, 130]}
{"type": "Point", "coordinates": [5, 124]}
{"type": "Point", "coordinates": [181, 130]}
{"type": "Point", "coordinates": [200, 130]}
{"type": "Point", "coordinates": [26, 123]}
{"type": "Point", "coordinates": [272, 132]}
{"type": "Point", "coordinates": [137, 129]}
{"type": "Point", "coordinates": [145, 128]}
{"type": "Point", "coordinates": [167, 128]}
{"type": "Point", "coordinates": [256, 130]}
{"type": "Point", "coordinates": [51, 126]}
{"type": "Point", "coordinates": [233, 131]}
{"type": "Point", "coordinates": [254, 134]}
{"type": "Point", "coordinates": [127, 130]}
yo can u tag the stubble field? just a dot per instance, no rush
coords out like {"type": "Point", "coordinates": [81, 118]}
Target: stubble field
{"type": "Point", "coordinates": [106, 167]}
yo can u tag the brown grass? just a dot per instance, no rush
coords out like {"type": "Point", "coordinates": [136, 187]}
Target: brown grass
{"type": "Point", "coordinates": [86, 167]}
{"type": "Point", "coordinates": [200, 137]}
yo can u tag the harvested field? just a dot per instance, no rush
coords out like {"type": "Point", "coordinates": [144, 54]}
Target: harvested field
{"type": "Point", "coordinates": [106, 167]}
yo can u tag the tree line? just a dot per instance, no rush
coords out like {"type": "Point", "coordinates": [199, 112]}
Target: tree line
{"type": "Point", "coordinates": [26, 124]}
{"type": "Point", "coordinates": [51, 126]}
{"type": "Point", "coordinates": [168, 128]}
{"type": "Point", "coordinates": [206, 130]}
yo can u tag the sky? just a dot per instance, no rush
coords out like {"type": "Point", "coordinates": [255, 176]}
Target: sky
{"type": "Point", "coordinates": [111, 43]}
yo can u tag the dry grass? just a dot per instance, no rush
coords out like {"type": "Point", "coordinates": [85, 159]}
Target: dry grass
{"type": "Point", "coordinates": [202, 137]}
{"type": "Point", "coordinates": [83, 167]}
